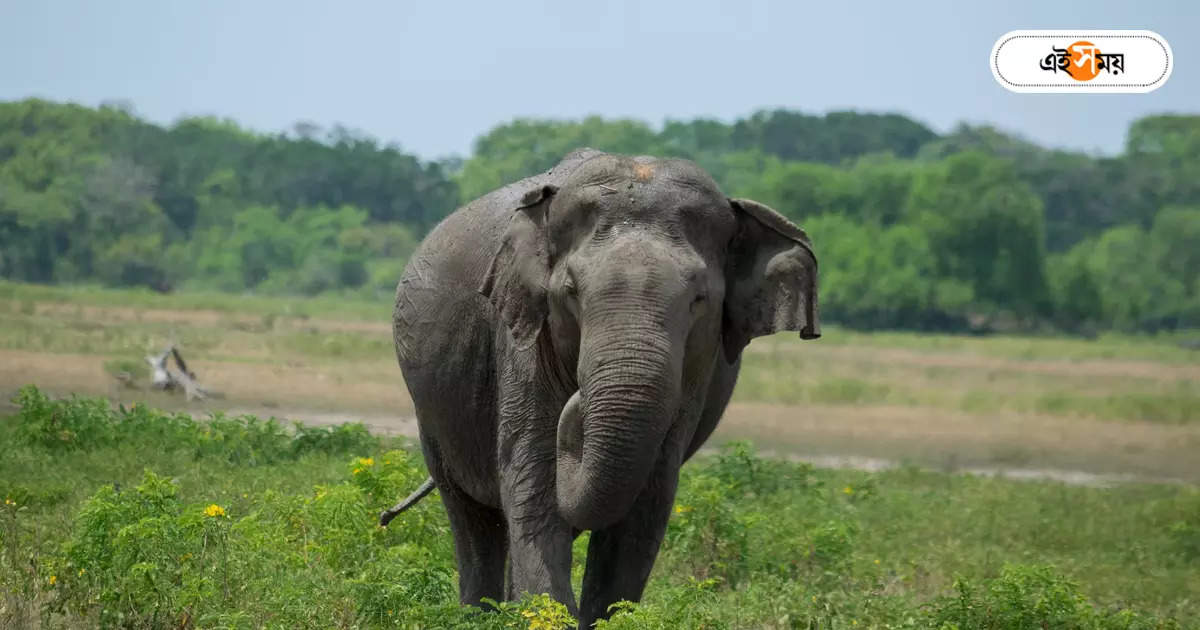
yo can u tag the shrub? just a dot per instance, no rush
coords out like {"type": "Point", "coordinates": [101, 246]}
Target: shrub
{"type": "Point", "coordinates": [62, 424]}
{"type": "Point", "coordinates": [1029, 597]}
{"type": "Point", "coordinates": [689, 606]}
{"type": "Point", "coordinates": [91, 423]}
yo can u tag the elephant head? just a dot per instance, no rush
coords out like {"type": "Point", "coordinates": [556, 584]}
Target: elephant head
{"type": "Point", "coordinates": [632, 276]}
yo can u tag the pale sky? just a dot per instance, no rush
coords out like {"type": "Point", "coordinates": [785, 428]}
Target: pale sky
{"type": "Point", "coordinates": [433, 75]}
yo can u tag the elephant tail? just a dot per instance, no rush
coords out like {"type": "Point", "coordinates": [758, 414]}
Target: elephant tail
{"type": "Point", "coordinates": [418, 494]}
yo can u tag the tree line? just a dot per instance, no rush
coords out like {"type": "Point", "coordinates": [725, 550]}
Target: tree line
{"type": "Point", "coordinates": [965, 230]}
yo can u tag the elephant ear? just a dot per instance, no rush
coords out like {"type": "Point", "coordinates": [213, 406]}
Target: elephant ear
{"type": "Point", "coordinates": [770, 279]}
{"type": "Point", "coordinates": [515, 281]}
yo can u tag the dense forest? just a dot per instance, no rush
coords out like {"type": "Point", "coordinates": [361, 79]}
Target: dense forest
{"type": "Point", "coordinates": [974, 229]}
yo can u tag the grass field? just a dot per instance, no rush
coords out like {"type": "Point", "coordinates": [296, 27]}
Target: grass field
{"type": "Point", "coordinates": [136, 518]}
{"type": "Point", "coordinates": [1114, 405]}
{"type": "Point", "coordinates": [139, 518]}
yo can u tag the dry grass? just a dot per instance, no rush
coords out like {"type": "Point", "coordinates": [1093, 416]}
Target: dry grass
{"type": "Point", "coordinates": [786, 371]}
{"type": "Point", "coordinates": [1113, 405]}
{"type": "Point", "coordinates": [953, 440]}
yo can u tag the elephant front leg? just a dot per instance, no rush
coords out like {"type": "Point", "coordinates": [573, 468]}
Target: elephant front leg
{"type": "Point", "coordinates": [539, 540]}
{"type": "Point", "coordinates": [620, 557]}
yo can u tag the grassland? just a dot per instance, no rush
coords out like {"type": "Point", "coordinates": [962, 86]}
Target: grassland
{"type": "Point", "coordinates": [1113, 405]}
{"type": "Point", "coordinates": [140, 518]}
{"type": "Point", "coordinates": [136, 518]}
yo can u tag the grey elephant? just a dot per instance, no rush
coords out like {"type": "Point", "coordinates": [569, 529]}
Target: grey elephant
{"type": "Point", "coordinates": [569, 341]}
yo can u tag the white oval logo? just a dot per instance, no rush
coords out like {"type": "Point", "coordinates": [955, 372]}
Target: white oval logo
{"type": "Point", "coordinates": [1081, 61]}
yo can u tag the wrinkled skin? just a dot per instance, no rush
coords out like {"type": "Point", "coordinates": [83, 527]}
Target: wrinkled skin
{"type": "Point", "coordinates": [569, 341]}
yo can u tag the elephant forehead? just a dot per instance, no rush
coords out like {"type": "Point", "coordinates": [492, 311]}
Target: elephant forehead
{"type": "Point", "coordinates": [676, 197]}
{"type": "Point", "coordinates": [648, 195]}
{"type": "Point", "coordinates": [622, 171]}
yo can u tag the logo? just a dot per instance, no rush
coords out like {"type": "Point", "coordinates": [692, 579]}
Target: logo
{"type": "Point", "coordinates": [1081, 61]}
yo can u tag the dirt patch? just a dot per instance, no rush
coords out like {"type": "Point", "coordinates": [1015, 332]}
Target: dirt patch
{"type": "Point", "coordinates": [879, 464]}
{"type": "Point", "coordinates": [373, 387]}
{"type": "Point", "coordinates": [955, 440]}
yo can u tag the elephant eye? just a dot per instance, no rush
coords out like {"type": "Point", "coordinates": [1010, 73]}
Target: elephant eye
{"type": "Point", "coordinates": [570, 288]}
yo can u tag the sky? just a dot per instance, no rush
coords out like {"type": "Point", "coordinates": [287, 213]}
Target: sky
{"type": "Point", "coordinates": [433, 76]}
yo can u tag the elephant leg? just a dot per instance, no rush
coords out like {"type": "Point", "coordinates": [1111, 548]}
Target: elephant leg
{"type": "Point", "coordinates": [539, 543]}
{"type": "Point", "coordinates": [480, 546]}
{"type": "Point", "coordinates": [480, 537]}
{"type": "Point", "coordinates": [539, 540]}
{"type": "Point", "coordinates": [620, 557]}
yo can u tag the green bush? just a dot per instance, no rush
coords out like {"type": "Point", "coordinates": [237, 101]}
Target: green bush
{"type": "Point", "coordinates": [91, 423]}
{"type": "Point", "coordinates": [63, 424]}
{"type": "Point", "coordinates": [146, 557]}
{"type": "Point", "coordinates": [1030, 597]}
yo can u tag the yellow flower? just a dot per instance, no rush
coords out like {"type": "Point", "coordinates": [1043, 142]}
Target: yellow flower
{"type": "Point", "coordinates": [357, 470]}
{"type": "Point", "coordinates": [680, 509]}
{"type": "Point", "coordinates": [848, 490]}
{"type": "Point", "coordinates": [53, 580]}
{"type": "Point", "coordinates": [82, 571]}
{"type": "Point", "coordinates": [214, 511]}
{"type": "Point", "coordinates": [876, 560]}
{"type": "Point", "coordinates": [365, 462]}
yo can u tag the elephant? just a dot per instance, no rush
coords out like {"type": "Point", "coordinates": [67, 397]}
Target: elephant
{"type": "Point", "coordinates": [569, 341]}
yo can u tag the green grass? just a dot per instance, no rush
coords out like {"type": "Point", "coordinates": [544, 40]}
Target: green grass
{"type": "Point", "coordinates": [137, 518]}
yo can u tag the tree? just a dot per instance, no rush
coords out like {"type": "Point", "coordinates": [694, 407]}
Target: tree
{"type": "Point", "coordinates": [833, 138]}
{"type": "Point", "coordinates": [1121, 261]}
{"type": "Point", "coordinates": [527, 146]}
{"type": "Point", "coordinates": [1078, 303]}
{"type": "Point", "coordinates": [913, 229]}
{"type": "Point", "coordinates": [986, 229]}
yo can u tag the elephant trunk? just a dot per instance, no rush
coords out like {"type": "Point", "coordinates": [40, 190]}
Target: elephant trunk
{"type": "Point", "coordinates": [611, 430]}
